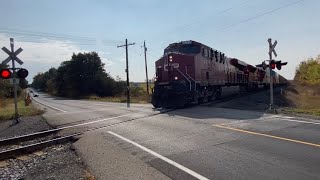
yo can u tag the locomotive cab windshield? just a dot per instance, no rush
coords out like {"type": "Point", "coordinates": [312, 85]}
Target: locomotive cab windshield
{"type": "Point", "coordinates": [185, 47]}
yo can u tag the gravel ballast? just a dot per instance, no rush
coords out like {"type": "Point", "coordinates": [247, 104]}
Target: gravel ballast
{"type": "Point", "coordinates": [54, 162]}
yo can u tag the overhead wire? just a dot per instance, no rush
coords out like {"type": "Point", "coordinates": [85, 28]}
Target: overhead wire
{"type": "Point", "coordinates": [261, 14]}
{"type": "Point", "coordinates": [81, 40]}
{"type": "Point", "coordinates": [251, 18]}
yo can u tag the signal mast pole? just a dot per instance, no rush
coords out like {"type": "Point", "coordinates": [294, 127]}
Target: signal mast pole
{"type": "Point", "coordinates": [271, 50]}
{"type": "Point", "coordinates": [16, 114]}
{"type": "Point", "coordinates": [127, 71]}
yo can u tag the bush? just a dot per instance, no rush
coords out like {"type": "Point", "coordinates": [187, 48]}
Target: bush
{"type": "Point", "coordinates": [309, 71]}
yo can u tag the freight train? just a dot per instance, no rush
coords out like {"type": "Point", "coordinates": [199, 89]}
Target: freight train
{"type": "Point", "coordinates": [191, 72]}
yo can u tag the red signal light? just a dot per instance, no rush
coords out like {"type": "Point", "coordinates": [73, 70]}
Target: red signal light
{"type": "Point", "coordinates": [272, 64]}
{"type": "Point", "coordinates": [5, 73]}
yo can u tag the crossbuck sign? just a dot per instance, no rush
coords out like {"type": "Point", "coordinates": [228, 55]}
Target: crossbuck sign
{"type": "Point", "coordinates": [271, 48]}
{"type": "Point", "coordinates": [12, 55]}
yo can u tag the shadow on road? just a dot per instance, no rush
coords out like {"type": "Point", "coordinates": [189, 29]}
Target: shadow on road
{"type": "Point", "coordinates": [240, 108]}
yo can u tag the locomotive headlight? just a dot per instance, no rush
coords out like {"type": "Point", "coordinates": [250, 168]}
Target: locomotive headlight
{"type": "Point", "coordinates": [170, 58]}
{"type": "Point", "coordinates": [176, 78]}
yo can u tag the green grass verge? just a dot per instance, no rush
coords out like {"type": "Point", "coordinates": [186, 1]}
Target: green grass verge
{"type": "Point", "coordinates": [314, 112]}
{"type": "Point", "coordinates": [121, 99]}
{"type": "Point", "coordinates": [7, 111]}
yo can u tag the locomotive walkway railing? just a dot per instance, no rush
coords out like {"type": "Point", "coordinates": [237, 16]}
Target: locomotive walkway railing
{"type": "Point", "coordinates": [185, 78]}
{"type": "Point", "coordinates": [195, 84]}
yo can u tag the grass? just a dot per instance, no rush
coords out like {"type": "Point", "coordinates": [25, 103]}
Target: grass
{"type": "Point", "coordinates": [121, 99]}
{"type": "Point", "coordinates": [7, 109]}
{"type": "Point", "coordinates": [314, 112]}
{"type": "Point", "coordinates": [138, 95]}
{"type": "Point", "coordinates": [303, 99]}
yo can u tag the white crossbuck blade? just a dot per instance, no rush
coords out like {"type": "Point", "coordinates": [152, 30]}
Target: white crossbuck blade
{"type": "Point", "coordinates": [12, 56]}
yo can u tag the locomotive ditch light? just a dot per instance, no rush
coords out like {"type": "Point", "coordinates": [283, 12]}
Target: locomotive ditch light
{"type": "Point", "coordinates": [176, 78]}
{"type": "Point", "coordinates": [22, 73]}
{"type": "Point", "coordinates": [5, 73]}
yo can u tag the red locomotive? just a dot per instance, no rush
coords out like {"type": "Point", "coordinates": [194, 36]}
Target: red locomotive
{"type": "Point", "coordinates": [191, 72]}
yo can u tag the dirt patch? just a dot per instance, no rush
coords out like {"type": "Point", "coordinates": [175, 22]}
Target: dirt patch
{"type": "Point", "coordinates": [302, 98]}
{"type": "Point", "coordinates": [27, 125]}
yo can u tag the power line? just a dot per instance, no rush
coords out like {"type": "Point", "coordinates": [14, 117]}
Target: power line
{"type": "Point", "coordinates": [92, 40]}
{"type": "Point", "coordinates": [220, 12]}
{"type": "Point", "coordinates": [257, 16]}
{"type": "Point", "coordinates": [262, 14]}
{"type": "Point", "coordinates": [43, 34]}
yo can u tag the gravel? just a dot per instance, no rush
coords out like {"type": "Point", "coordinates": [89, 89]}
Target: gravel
{"type": "Point", "coordinates": [27, 125]}
{"type": "Point", "coordinates": [54, 162]}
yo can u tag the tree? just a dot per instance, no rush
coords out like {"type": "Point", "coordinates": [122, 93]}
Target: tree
{"type": "Point", "coordinates": [309, 71]}
{"type": "Point", "coordinates": [83, 75]}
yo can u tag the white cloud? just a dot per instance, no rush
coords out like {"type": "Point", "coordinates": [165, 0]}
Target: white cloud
{"type": "Point", "coordinates": [41, 54]}
{"type": "Point", "coordinates": [47, 51]}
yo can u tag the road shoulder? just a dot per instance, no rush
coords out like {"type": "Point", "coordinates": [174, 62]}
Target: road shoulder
{"type": "Point", "coordinates": [106, 160]}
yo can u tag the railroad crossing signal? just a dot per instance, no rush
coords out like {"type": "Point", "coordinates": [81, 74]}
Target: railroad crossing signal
{"type": "Point", "coordinates": [6, 73]}
{"type": "Point", "coordinates": [271, 48]}
{"type": "Point", "coordinates": [272, 64]}
{"type": "Point", "coordinates": [279, 64]}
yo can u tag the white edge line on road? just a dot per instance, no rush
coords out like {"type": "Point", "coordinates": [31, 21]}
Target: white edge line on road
{"type": "Point", "coordinates": [289, 118]}
{"type": "Point", "coordinates": [49, 106]}
{"type": "Point", "coordinates": [91, 122]}
{"type": "Point", "coordinates": [189, 171]}
{"type": "Point", "coordinates": [306, 122]}
{"type": "Point", "coordinates": [262, 120]}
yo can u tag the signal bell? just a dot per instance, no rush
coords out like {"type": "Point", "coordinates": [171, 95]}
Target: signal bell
{"type": "Point", "coordinates": [5, 73]}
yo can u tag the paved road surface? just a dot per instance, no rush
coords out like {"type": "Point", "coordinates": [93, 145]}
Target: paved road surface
{"type": "Point", "coordinates": [199, 142]}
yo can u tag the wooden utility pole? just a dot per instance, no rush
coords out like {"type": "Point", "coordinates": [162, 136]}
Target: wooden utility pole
{"type": "Point", "coordinates": [127, 71]}
{"type": "Point", "coordinates": [145, 61]}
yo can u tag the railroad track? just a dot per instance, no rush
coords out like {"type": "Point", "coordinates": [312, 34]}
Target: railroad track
{"type": "Point", "coordinates": [13, 152]}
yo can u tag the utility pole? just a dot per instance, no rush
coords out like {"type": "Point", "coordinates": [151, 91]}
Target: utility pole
{"type": "Point", "coordinates": [127, 71]}
{"type": "Point", "coordinates": [145, 61]}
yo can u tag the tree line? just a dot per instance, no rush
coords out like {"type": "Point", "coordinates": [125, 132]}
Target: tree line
{"type": "Point", "coordinates": [309, 71]}
{"type": "Point", "coordinates": [83, 75]}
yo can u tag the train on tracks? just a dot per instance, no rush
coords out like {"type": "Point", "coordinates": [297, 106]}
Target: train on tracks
{"type": "Point", "coordinates": [191, 72]}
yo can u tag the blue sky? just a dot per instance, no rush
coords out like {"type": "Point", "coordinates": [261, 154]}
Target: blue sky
{"type": "Point", "coordinates": [50, 31]}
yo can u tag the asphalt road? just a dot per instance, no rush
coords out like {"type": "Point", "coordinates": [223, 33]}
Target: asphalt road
{"type": "Point", "coordinates": [200, 142]}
